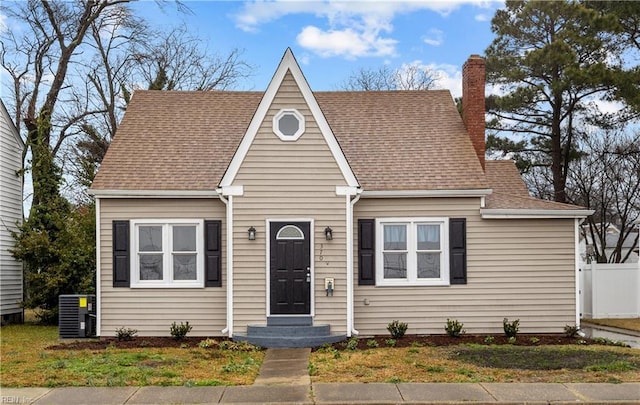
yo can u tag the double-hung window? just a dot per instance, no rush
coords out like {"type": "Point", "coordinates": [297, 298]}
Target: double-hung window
{"type": "Point", "coordinates": [167, 254]}
{"type": "Point", "coordinates": [412, 251]}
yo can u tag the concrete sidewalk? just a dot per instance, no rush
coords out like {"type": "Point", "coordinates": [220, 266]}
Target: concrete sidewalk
{"type": "Point", "coordinates": [284, 379]}
{"type": "Point", "coordinates": [483, 393]}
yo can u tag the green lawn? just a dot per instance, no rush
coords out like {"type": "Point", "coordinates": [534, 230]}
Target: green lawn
{"type": "Point", "coordinates": [25, 362]}
{"type": "Point", "coordinates": [478, 363]}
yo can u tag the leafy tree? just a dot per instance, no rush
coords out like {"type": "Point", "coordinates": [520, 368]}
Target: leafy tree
{"type": "Point", "coordinates": [408, 77]}
{"type": "Point", "coordinates": [553, 61]}
{"type": "Point", "coordinates": [56, 244]}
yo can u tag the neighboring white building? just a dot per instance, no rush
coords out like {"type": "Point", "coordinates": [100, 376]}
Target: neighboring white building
{"type": "Point", "coordinates": [11, 148]}
{"type": "Point", "coordinates": [613, 233]}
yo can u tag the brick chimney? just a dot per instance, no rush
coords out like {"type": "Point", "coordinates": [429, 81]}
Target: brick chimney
{"type": "Point", "coordinates": [473, 108]}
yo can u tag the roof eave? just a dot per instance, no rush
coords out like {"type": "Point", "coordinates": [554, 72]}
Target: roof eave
{"type": "Point", "coordinates": [481, 192]}
{"type": "Point", "coordinates": [520, 213]}
{"type": "Point", "coordinates": [154, 193]}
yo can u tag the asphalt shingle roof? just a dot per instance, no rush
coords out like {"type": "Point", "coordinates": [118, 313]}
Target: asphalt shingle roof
{"type": "Point", "coordinates": [395, 140]}
{"type": "Point", "coordinates": [392, 140]}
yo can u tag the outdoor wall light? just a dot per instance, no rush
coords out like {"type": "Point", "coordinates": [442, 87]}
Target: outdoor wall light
{"type": "Point", "coordinates": [328, 233]}
{"type": "Point", "coordinates": [252, 233]}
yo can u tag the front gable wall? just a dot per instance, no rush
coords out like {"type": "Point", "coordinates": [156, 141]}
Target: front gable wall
{"type": "Point", "coordinates": [293, 179]}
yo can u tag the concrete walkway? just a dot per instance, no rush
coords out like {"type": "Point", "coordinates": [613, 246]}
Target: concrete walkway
{"type": "Point", "coordinates": [284, 379]}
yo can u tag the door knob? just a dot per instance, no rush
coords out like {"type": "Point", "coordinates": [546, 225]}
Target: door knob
{"type": "Point", "coordinates": [308, 277]}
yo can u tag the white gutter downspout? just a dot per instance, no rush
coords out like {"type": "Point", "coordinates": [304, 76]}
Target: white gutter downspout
{"type": "Point", "coordinates": [228, 203]}
{"type": "Point", "coordinates": [348, 192]}
{"type": "Point", "coordinates": [229, 192]}
{"type": "Point", "coordinates": [576, 259]}
{"type": "Point", "coordinates": [98, 262]}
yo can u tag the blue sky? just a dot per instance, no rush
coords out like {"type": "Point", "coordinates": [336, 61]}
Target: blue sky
{"type": "Point", "coordinates": [332, 39]}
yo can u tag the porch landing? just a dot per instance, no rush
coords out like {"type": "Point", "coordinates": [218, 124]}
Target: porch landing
{"type": "Point", "coordinates": [289, 332]}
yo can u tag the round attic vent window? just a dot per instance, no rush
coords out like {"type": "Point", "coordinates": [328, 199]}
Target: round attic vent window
{"type": "Point", "coordinates": [288, 125]}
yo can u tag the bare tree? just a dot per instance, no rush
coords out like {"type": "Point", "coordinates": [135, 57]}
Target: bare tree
{"type": "Point", "coordinates": [606, 178]}
{"type": "Point", "coordinates": [40, 66]}
{"type": "Point", "coordinates": [181, 61]}
{"type": "Point", "coordinates": [408, 77]}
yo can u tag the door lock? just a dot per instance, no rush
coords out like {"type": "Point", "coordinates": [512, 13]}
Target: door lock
{"type": "Point", "coordinates": [308, 277]}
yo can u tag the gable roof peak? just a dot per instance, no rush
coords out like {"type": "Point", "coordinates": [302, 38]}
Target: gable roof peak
{"type": "Point", "coordinates": [288, 63]}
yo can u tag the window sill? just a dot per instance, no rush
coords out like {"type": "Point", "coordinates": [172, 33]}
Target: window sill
{"type": "Point", "coordinates": [431, 283]}
{"type": "Point", "coordinates": [165, 285]}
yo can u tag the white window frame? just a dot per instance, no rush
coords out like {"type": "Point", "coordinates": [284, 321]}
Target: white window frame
{"type": "Point", "coordinates": [167, 256]}
{"type": "Point", "coordinates": [276, 124]}
{"type": "Point", "coordinates": [412, 249]}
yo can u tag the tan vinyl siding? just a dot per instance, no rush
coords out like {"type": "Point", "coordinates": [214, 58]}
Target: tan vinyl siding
{"type": "Point", "coordinates": [517, 268]}
{"type": "Point", "coordinates": [152, 310]}
{"type": "Point", "coordinates": [11, 215]}
{"type": "Point", "coordinates": [289, 180]}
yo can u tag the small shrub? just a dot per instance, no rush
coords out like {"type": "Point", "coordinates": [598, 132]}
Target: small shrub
{"type": "Point", "coordinates": [125, 333]}
{"type": "Point", "coordinates": [534, 340]}
{"type": "Point", "coordinates": [454, 328]}
{"type": "Point", "coordinates": [208, 343]}
{"type": "Point", "coordinates": [511, 340]}
{"type": "Point", "coordinates": [571, 331]}
{"type": "Point", "coordinates": [489, 339]}
{"type": "Point", "coordinates": [352, 344]}
{"type": "Point", "coordinates": [397, 329]}
{"type": "Point", "coordinates": [372, 343]}
{"type": "Point", "coordinates": [180, 331]}
{"type": "Point", "coordinates": [510, 328]}
{"type": "Point", "coordinates": [237, 346]}
{"type": "Point", "coordinates": [609, 342]}
{"type": "Point", "coordinates": [390, 342]}
{"type": "Point", "coordinates": [144, 343]}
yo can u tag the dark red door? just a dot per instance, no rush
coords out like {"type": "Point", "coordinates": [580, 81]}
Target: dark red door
{"type": "Point", "coordinates": [290, 268]}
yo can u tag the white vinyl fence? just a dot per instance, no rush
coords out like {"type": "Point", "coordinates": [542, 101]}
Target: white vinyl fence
{"type": "Point", "coordinates": [610, 290]}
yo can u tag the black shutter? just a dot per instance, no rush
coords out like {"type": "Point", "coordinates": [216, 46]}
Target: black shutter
{"type": "Point", "coordinates": [458, 250]}
{"type": "Point", "coordinates": [366, 252]}
{"type": "Point", "coordinates": [121, 272]}
{"type": "Point", "coordinates": [212, 254]}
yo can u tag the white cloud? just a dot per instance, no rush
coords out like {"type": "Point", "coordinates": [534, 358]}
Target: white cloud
{"type": "Point", "coordinates": [354, 28]}
{"type": "Point", "coordinates": [3, 23]}
{"type": "Point", "coordinates": [482, 17]}
{"type": "Point", "coordinates": [435, 38]}
{"type": "Point", "coordinates": [449, 77]}
{"type": "Point", "coordinates": [348, 43]}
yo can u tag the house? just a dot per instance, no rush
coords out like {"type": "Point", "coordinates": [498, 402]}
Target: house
{"type": "Point", "coordinates": [313, 216]}
{"type": "Point", "coordinates": [11, 149]}
{"type": "Point", "coordinates": [612, 234]}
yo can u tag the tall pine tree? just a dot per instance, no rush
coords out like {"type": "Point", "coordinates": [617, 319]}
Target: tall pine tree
{"type": "Point", "coordinates": [552, 61]}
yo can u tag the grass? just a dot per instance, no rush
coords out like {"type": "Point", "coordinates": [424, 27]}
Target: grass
{"type": "Point", "coordinates": [25, 362]}
{"type": "Point", "coordinates": [478, 363]}
{"type": "Point", "coordinates": [622, 323]}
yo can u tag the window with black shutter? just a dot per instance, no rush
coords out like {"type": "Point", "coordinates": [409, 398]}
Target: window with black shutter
{"type": "Point", "coordinates": [458, 250]}
{"type": "Point", "coordinates": [212, 253]}
{"type": "Point", "coordinates": [366, 252]}
{"type": "Point", "coordinates": [121, 260]}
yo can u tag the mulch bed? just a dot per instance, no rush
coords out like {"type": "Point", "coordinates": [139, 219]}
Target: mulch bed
{"type": "Point", "coordinates": [363, 343]}
{"type": "Point", "coordinates": [446, 340]}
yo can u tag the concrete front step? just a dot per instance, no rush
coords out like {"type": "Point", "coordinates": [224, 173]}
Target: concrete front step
{"type": "Point", "coordinates": [283, 320]}
{"type": "Point", "coordinates": [286, 331]}
{"type": "Point", "coordinates": [289, 341]}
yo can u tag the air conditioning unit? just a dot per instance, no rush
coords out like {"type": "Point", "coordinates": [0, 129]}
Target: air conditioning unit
{"type": "Point", "coordinates": [77, 316]}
